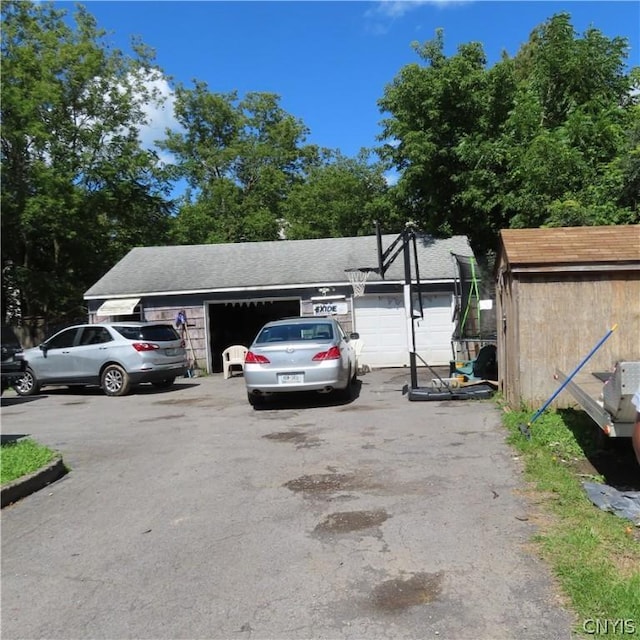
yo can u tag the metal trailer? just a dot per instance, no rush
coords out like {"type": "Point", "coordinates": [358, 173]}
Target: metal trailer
{"type": "Point", "coordinates": [613, 410]}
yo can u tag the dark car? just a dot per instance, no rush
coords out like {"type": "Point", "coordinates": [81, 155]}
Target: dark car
{"type": "Point", "coordinates": [13, 363]}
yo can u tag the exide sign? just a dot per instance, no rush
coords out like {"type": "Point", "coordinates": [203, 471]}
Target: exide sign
{"type": "Point", "coordinates": [330, 308]}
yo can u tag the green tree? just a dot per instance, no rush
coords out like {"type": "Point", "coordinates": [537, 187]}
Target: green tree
{"type": "Point", "coordinates": [240, 159]}
{"type": "Point", "coordinates": [437, 108]}
{"type": "Point", "coordinates": [549, 137]}
{"type": "Point", "coordinates": [339, 197]}
{"type": "Point", "coordinates": [571, 130]}
{"type": "Point", "coordinates": [77, 188]}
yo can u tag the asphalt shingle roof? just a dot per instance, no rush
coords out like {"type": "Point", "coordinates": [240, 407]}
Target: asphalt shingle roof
{"type": "Point", "coordinates": [212, 267]}
{"type": "Point", "coordinates": [572, 245]}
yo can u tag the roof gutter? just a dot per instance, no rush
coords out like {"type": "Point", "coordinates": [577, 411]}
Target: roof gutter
{"type": "Point", "coordinates": [274, 287]}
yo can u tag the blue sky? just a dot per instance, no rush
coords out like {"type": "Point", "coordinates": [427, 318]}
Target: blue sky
{"type": "Point", "coordinates": [330, 61]}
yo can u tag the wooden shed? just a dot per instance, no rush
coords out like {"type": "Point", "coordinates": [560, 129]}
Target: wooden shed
{"type": "Point", "coordinates": [558, 292]}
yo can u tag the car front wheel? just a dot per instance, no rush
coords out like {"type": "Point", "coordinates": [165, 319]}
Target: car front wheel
{"type": "Point", "coordinates": [28, 384]}
{"type": "Point", "coordinates": [115, 381]}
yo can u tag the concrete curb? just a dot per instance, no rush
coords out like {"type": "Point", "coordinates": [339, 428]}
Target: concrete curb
{"type": "Point", "coordinates": [32, 482]}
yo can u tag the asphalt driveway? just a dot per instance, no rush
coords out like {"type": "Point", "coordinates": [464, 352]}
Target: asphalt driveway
{"type": "Point", "coordinates": [187, 514]}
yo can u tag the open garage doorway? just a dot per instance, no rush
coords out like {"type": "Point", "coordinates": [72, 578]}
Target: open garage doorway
{"type": "Point", "coordinates": [238, 322]}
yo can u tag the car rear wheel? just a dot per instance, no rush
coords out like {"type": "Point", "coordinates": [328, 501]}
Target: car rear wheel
{"type": "Point", "coordinates": [164, 384]}
{"type": "Point", "coordinates": [115, 381]}
{"type": "Point", "coordinates": [347, 393]}
{"type": "Point", "coordinates": [255, 399]}
{"type": "Point", "coordinates": [28, 384]}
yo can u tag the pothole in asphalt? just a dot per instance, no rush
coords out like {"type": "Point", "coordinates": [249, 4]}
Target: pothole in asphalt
{"type": "Point", "coordinates": [394, 596]}
{"type": "Point", "coordinates": [325, 486]}
{"type": "Point", "coordinates": [348, 521]}
{"type": "Point", "coordinates": [299, 438]}
{"type": "Point", "coordinates": [322, 484]}
{"type": "Point", "coordinates": [286, 436]}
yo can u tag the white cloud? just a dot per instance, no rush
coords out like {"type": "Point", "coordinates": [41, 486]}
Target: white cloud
{"type": "Point", "coordinates": [386, 11]}
{"type": "Point", "coordinates": [159, 115]}
{"type": "Point", "coordinates": [396, 8]}
{"type": "Point", "coordinates": [156, 100]}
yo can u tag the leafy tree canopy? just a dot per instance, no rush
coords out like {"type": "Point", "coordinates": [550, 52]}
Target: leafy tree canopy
{"type": "Point", "coordinates": [239, 157]}
{"type": "Point", "coordinates": [77, 188]}
{"type": "Point", "coordinates": [549, 137]}
{"type": "Point", "coordinates": [339, 197]}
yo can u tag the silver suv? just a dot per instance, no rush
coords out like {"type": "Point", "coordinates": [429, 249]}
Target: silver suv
{"type": "Point", "coordinates": [115, 356]}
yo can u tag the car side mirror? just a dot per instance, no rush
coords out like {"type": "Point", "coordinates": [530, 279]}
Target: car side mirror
{"type": "Point", "coordinates": [44, 348]}
{"type": "Point", "coordinates": [354, 335]}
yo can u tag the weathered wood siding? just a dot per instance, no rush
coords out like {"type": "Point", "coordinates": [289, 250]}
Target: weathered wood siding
{"type": "Point", "coordinates": [195, 336]}
{"type": "Point", "coordinates": [553, 320]}
{"type": "Point", "coordinates": [508, 346]}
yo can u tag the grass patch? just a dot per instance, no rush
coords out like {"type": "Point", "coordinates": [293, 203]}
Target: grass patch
{"type": "Point", "coordinates": [595, 555]}
{"type": "Point", "coordinates": [22, 457]}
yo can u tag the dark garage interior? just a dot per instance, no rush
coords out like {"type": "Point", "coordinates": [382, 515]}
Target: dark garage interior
{"type": "Point", "coordinates": [239, 322]}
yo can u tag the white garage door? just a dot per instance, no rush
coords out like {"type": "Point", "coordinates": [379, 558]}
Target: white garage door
{"type": "Point", "coordinates": [434, 332]}
{"type": "Point", "coordinates": [380, 320]}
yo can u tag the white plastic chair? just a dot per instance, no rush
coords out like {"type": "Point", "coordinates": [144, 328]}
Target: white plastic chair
{"type": "Point", "coordinates": [233, 356]}
{"type": "Point", "coordinates": [357, 345]}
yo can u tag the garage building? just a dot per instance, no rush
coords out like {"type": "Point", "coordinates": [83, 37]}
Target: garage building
{"type": "Point", "coordinates": [228, 291]}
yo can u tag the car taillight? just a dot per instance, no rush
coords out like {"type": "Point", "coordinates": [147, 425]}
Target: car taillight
{"type": "Point", "coordinates": [145, 346]}
{"type": "Point", "coordinates": [332, 354]}
{"type": "Point", "coordinates": [255, 358]}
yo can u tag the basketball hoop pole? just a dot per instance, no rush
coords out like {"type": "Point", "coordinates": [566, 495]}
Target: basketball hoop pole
{"type": "Point", "coordinates": [381, 268]}
{"type": "Point", "coordinates": [407, 237]}
{"type": "Point", "coordinates": [404, 239]}
{"type": "Point", "coordinates": [408, 296]}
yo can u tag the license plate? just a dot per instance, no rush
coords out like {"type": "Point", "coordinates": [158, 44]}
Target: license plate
{"type": "Point", "coordinates": [290, 378]}
{"type": "Point", "coordinates": [171, 352]}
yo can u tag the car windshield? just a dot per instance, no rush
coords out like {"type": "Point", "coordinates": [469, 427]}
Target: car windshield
{"type": "Point", "coordinates": [151, 333]}
{"type": "Point", "coordinates": [296, 332]}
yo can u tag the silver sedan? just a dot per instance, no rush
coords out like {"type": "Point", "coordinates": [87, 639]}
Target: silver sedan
{"type": "Point", "coordinates": [300, 354]}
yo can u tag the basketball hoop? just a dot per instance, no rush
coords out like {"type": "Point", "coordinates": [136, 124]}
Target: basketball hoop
{"type": "Point", "coordinates": [358, 279]}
